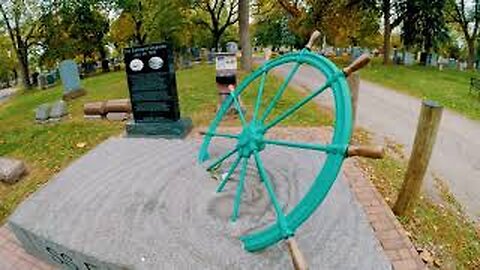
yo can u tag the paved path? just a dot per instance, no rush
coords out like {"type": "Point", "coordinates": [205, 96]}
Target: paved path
{"type": "Point", "coordinates": [456, 156]}
{"type": "Point", "coordinates": [6, 93]}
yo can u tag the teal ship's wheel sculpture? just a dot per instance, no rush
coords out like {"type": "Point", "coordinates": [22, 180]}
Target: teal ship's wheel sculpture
{"type": "Point", "coordinates": [251, 141]}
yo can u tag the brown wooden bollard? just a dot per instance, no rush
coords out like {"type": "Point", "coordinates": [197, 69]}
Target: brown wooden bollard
{"type": "Point", "coordinates": [374, 152]}
{"type": "Point", "coordinates": [354, 84]}
{"type": "Point", "coordinates": [298, 260]}
{"type": "Point", "coordinates": [425, 137]}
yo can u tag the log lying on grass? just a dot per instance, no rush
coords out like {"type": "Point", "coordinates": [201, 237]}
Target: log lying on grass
{"type": "Point", "coordinates": [118, 105]}
{"type": "Point", "coordinates": [94, 108]}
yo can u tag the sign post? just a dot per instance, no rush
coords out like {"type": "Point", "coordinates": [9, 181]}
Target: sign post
{"type": "Point", "coordinates": [226, 75]}
{"type": "Point", "coordinates": [153, 93]}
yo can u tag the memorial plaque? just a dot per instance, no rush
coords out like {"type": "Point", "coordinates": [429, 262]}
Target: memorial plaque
{"type": "Point", "coordinates": [153, 92]}
{"type": "Point", "coordinates": [152, 84]}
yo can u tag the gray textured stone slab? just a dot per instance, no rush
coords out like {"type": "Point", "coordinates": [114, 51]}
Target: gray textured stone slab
{"type": "Point", "coordinates": [59, 109]}
{"type": "Point", "coordinates": [11, 170]}
{"type": "Point", "coordinates": [147, 204]}
{"type": "Point", "coordinates": [42, 113]}
{"type": "Point", "coordinates": [118, 116]}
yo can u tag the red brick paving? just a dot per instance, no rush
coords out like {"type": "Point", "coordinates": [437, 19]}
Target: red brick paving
{"type": "Point", "coordinates": [13, 257]}
{"type": "Point", "coordinates": [389, 232]}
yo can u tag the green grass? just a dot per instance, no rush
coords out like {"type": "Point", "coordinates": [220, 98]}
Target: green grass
{"type": "Point", "coordinates": [440, 228]}
{"type": "Point", "coordinates": [49, 148]}
{"type": "Point", "coordinates": [448, 87]}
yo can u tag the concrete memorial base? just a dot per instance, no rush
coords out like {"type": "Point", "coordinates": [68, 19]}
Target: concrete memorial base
{"type": "Point", "coordinates": [74, 94]}
{"type": "Point", "coordinates": [164, 129]}
{"type": "Point", "coordinates": [147, 204]}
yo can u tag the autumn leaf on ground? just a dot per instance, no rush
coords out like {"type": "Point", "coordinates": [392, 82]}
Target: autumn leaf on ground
{"type": "Point", "coordinates": [81, 144]}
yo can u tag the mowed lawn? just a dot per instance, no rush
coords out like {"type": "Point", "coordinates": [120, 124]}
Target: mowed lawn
{"type": "Point", "coordinates": [448, 87]}
{"type": "Point", "coordinates": [48, 148]}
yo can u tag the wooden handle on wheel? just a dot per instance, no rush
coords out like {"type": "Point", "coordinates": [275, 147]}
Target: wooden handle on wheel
{"type": "Point", "coordinates": [299, 262]}
{"type": "Point", "coordinates": [359, 63]}
{"type": "Point", "coordinates": [375, 152]}
{"type": "Point", "coordinates": [315, 35]}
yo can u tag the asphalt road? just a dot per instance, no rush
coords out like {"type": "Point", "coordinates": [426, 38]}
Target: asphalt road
{"type": "Point", "coordinates": [456, 155]}
{"type": "Point", "coordinates": [5, 93]}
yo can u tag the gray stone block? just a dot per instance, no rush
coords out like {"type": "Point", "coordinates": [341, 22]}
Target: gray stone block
{"type": "Point", "coordinates": [11, 170]}
{"type": "Point", "coordinates": [59, 109]}
{"type": "Point", "coordinates": [147, 204]}
{"type": "Point", "coordinates": [93, 117]}
{"type": "Point", "coordinates": [42, 113]}
{"type": "Point", "coordinates": [117, 116]}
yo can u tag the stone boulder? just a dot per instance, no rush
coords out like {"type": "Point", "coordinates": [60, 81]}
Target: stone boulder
{"type": "Point", "coordinates": [11, 170]}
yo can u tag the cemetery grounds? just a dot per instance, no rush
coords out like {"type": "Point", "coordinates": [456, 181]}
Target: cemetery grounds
{"type": "Point", "coordinates": [47, 149]}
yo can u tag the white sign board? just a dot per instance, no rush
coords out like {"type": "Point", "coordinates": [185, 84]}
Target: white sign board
{"type": "Point", "coordinates": [226, 62]}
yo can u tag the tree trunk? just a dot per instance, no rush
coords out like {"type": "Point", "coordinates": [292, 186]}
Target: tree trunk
{"type": "Point", "coordinates": [216, 40]}
{"type": "Point", "coordinates": [471, 53]}
{"type": "Point", "coordinates": [387, 32]}
{"type": "Point", "coordinates": [24, 69]}
{"type": "Point", "coordinates": [246, 60]}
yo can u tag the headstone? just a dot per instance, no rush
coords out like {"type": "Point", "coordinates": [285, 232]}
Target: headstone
{"type": "Point", "coordinates": [433, 59]}
{"type": "Point", "coordinates": [452, 63]}
{"type": "Point", "coordinates": [11, 170]}
{"type": "Point", "coordinates": [210, 58]}
{"type": "Point", "coordinates": [35, 78]}
{"type": "Point", "coordinates": [42, 113]}
{"type": "Point", "coordinates": [117, 116]}
{"type": "Point", "coordinates": [153, 92]}
{"type": "Point", "coordinates": [70, 80]}
{"type": "Point", "coordinates": [105, 65]}
{"type": "Point", "coordinates": [59, 109]}
{"type": "Point", "coordinates": [356, 52]}
{"type": "Point", "coordinates": [408, 58]}
{"type": "Point", "coordinates": [232, 47]}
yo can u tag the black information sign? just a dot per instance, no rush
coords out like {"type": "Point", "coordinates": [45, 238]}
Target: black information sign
{"type": "Point", "coordinates": [152, 83]}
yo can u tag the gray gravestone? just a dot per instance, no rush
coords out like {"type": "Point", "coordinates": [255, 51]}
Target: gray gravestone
{"type": "Point", "coordinates": [408, 59]}
{"type": "Point", "coordinates": [59, 109]}
{"type": "Point", "coordinates": [42, 113]}
{"type": "Point", "coordinates": [232, 47]}
{"type": "Point", "coordinates": [70, 79]}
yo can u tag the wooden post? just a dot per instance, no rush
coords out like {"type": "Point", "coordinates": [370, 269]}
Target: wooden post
{"type": "Point", "coordinates": [427, 129]}
{"type": "Point", "coordinates": [354, 84]}
{"type": "Point", "coordinates": [298, 261]}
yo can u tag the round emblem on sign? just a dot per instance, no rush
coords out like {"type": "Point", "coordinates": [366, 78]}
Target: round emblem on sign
{"type": "Point", "coordinates": [155, 62]}
{"type": "Point", "coordinates": [136, 65]}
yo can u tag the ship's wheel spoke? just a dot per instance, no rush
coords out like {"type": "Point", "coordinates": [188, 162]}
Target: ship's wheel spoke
{"type": "Point", "coordinates": [300, 104]}
{"type": "Point", "coordinates": [280, 92]}
{"type": "Point", "coordinates": [229, 174]}
{"type": "Point", "coordinates": [222, 158]}
{"type": "Point", "coordinates": [327, 148]}
{"type": "Point", "coordinates": [238, 193]}
{"type": "Point", "coordinates": [282, 221]}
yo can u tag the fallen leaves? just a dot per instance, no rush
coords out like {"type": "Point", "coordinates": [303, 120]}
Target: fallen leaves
{"type": "Point", "coordinates": [81, 144]}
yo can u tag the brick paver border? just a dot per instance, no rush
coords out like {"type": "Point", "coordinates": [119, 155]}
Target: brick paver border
{"type": "Point", "coordinates": [14, 257]}
{"type": "Point", "coordinates": [389, 232]}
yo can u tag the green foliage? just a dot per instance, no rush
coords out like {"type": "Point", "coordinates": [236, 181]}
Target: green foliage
{"type": "Point", "coordinates": [72, 28]}
{"type": "Point", "coordinates": [424, 26]}
{"type": "Point", "coordinates": [7, 59]}
{"type": "Point", "coordinates": [271, 27]}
